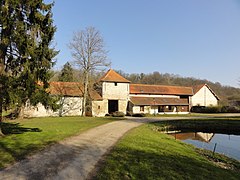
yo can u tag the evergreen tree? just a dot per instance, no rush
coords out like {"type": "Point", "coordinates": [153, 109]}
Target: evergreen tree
{"type": "Point", "coordinates": [26, 32]}
{"type": "Point", "coordinates": [66, 74]}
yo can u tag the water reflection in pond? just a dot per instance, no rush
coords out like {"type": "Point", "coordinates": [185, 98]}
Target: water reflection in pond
{"type": "Point", "coordinates": [226, 144]}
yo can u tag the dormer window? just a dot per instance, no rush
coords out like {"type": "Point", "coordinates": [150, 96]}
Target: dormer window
{"type": "Point", "coordinates": [115, 83]}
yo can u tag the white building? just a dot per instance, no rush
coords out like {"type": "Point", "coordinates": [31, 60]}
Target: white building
{"type": "Point", "coordinates": [115, 93]}
{"type": "Point", "coordinates": [204, 96]}
{"type": "Point", "coordinates": [158, 99]}
{"type": "Point", "coordinates": [114, 90]}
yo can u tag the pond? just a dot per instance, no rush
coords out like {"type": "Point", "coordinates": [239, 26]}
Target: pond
{"type": "Point", "coordinates": [228, 145]}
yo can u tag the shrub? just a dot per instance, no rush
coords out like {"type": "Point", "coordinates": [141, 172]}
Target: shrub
{"type": "Point", "coordinates": [129, 113]}
{"type": "Point", "coordinates": [139, 115]}
{"type": "Point", "coordinates": [198, 109]}
{"type": "Point", "coordinates": [118, 114]}
{"type": "Point", "coordinates": [215, 109]}
{"type": "Point", "coordinates": [230, 109]}
{"type": "Point", "coordinates": [212, 109]}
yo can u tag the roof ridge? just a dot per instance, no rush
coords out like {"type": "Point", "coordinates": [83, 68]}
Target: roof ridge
{"type": "Point", "coordinates": [160, 85]}
{"type": "Point", "coordinates": [113, 76]}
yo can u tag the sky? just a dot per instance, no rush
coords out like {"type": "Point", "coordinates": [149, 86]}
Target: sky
{"type": "Point", "coordinates": [199, 39]}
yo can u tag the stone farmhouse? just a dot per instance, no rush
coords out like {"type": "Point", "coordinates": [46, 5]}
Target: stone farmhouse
{"type": "Point", "coordinates": [115, 93]}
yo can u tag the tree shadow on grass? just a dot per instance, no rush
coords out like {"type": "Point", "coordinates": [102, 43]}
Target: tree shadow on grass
{"type": "Point", "coordinates": [15, 147]}
{"type": "Point", "coordinates": [16, 128]}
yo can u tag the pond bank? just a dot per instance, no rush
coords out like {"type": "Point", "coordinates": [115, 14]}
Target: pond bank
{"type": "Point", "coordinates": [210, 134]}
{"type": "Point", "coordinates": [145, 153]}
{"type": "Point", "coordinates": [208, 125]}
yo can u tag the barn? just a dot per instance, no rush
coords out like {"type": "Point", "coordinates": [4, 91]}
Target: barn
{"type": "Point", "coordinates": [115, 93]}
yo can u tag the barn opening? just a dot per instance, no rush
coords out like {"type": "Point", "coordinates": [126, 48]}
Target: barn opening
{"type": "Point", "coordinates": [112, 106]}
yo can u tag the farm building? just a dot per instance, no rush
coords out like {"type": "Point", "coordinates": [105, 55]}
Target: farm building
{"type": "Point", "coordinates": [115, 93]}
{"type": "Point", "coordinates": [159, 99]}
{"type": "Point", "coordinates": [203, 95]}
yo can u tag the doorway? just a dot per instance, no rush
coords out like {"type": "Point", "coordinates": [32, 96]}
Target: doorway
{"type": "Point", "coordinates": [112, 106]}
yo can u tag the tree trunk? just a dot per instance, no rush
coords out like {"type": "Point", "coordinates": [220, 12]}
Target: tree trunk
{"type": "Point", "coordinates": [1, 112]}
{"type": "Point", "coordinates": [1, 94]}
{"type": "Point", "coordinates": [20, 112]}
{"type": "Point", "coordinates": [85, 92]}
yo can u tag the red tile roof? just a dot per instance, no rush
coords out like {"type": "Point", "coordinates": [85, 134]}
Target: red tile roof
{"type": "Point", "coordinates": [158, 101]}
{"type": "Point", "coordinates": [159, 89]}
{"type": "Point", "coordinates": [73, 89]}
{"type": "Point", "coordinates": [112, 76]}
{"type": "Point", "coordinates": [196, 88]}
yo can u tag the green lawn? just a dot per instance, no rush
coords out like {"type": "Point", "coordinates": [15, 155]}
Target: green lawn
{"type": "Point", "coordinates": [145, 153]}
{"type": "Point", "coordinates": [26, 136]}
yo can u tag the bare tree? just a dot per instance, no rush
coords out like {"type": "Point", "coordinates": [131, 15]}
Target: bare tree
{"type": "Point", "coordinates": [89, 54]}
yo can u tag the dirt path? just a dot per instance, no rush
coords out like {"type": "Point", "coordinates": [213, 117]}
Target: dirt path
{"type": "Point", "coordinates": [73, 158]}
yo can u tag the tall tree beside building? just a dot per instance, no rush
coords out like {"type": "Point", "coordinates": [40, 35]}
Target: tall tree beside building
{"type": "Point", "coordinates": [89, 54]}
{"type": "Point", "coordinates": [26, 32]}
{"type": "Point", "coordinates": [66, 74]}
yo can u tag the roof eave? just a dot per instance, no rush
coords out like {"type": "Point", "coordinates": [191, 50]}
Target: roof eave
{"type": "Point", "coordinates": [161, 93]}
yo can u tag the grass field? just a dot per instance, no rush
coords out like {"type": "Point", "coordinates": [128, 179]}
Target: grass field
{"type": "Point", "coordinates": [24, 137]}
{"type": "Point", "coordinates": [145, 153]}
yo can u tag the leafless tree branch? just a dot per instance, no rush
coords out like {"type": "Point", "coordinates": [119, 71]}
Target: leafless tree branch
{"type": "Point", "coordinates": [89, 54]}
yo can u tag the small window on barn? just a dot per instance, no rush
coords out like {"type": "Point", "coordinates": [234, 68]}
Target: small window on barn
{"type": "Point", "coordinates": [99, 107]}
{"type": "Point", "coordinates": [142, 108]}
{"type": "Point", "coordinates": [160, 108]}
{"type": "Point", "coordinates": [115, 83]}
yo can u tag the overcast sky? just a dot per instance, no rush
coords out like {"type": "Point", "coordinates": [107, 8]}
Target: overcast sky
{"type": "Point", "coordinates": [191, 38]}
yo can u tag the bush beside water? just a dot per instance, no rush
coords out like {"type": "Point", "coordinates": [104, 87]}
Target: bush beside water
{"type": "Point", "coordinates": [215, 109]}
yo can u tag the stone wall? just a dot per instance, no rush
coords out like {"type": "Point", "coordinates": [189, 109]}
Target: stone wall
{"type": "Point", "coordinates": [115, 91]}
{"type": "Point", "coordinates": [99, 108]}
{"type": "Point", "coordinates": [70, 106]}
{"type": "Point", "coordinates": [111, 90]}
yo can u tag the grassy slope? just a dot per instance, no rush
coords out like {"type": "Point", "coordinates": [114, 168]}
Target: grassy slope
{"type": "Point", "coordinates": [147, 154]}
{"type": "Point", "coordinates": [25, 136]}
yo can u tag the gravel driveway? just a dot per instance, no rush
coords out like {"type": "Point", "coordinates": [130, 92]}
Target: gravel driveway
{"type": "Point", "coordinates": [73, 158]}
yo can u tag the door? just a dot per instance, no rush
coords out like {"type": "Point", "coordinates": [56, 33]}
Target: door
{"type": "Point", "coordinates": [112, 106]}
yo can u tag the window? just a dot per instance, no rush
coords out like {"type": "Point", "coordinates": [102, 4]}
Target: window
{"type": "Point", "coordinates": [160, 108]}
{"type": "Point", "coordinates": [115, 83]}
{"type": "Point", "coordinates": [142, 108]}
{"type": "Point", "coordinates": [99, 107]}
{"type": "Point", "coordinates": [170, 108]}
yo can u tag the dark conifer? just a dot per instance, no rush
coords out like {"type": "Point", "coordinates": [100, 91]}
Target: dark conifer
{"type": "Point", "coordinates": [26, 33]}
{"type": "Point", "coordinates": [66, 74]}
